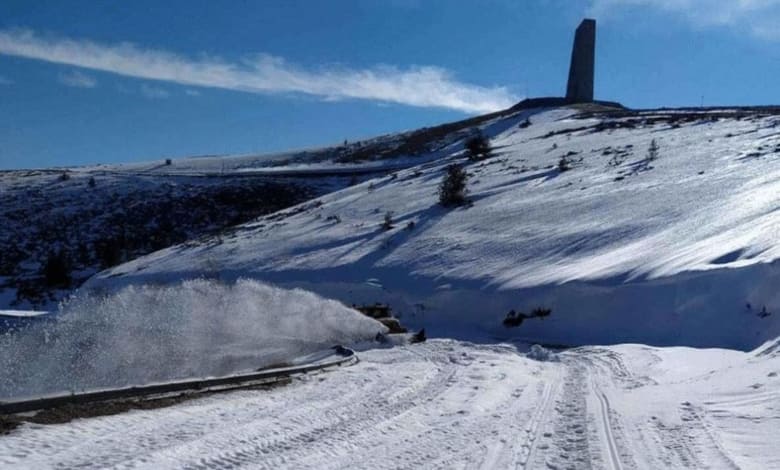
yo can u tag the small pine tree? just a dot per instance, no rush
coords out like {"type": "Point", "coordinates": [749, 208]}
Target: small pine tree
{"type": "Point", "coordinates": [478, 147]}
{"type": "Point", "coordinates": [452, 190]}
{"type": "Point", "coordinates": [652, 151]}
{"type": "Point", "coordinates": [387, 224]}
{"type": "Point", "coordinates": [563, 164]}
{"type": "Point", "coordinates": [91, 183]}
{"type": "Point", "coordinates": [56, 270]}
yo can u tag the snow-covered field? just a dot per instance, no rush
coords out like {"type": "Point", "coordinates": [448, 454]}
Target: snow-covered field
{"type": "Point", "coordinates": [448, 404]}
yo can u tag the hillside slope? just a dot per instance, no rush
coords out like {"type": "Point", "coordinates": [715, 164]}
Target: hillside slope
{"type": "Point", "coordinates": [91, 218]}
{"type": "Point", "coordinates": [680, 250]}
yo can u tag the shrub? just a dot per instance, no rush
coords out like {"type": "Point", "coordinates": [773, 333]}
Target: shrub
{"type": "Point", "coordinates": [541, 312]}
{"type": "Point", "coordinates": [56, 270]}
{"type": "Point", "coordinates": [91, 183]}
{"type": "Point", "coordinates": [64, 176]}
{"type": "Point", "coordinates": [387, 224]}
{"type": "Point", "coordinates": [478, 147]}
{"type": "Point", "coordinates": [109, 252]}
{"type": "Point", "coordinates": [168, 161]}
{"type": "Point", "coordinates": [652, 151]}
{"type": "Point", "coordinates": [514, 319]}
{"type": "Point", "coordinates": [563, 164]}
{"type": "Point", "coordinates": [452, 190]}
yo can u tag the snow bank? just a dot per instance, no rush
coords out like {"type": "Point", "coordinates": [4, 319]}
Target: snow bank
{"type": "Point", "coordinates": [542, 354]}
{"type": "Point", "coordinates": [769, 349]}
{"type": "Point", "coordinates": [199, 328]}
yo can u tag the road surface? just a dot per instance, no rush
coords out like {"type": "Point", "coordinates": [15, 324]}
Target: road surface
{"type": "Point", "coordinates": [443, 404]}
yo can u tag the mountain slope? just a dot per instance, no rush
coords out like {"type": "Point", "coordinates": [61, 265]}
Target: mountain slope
{"type": "Point", "coordinates": [679, 250]}
{"type": "Point", "coordinates": [89, 218]}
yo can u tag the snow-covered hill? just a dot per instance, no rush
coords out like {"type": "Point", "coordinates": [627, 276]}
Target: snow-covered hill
{"type": "Point", "coordinates": [680, 250]}
{"type": "Point", "coordinates": [84, 219]}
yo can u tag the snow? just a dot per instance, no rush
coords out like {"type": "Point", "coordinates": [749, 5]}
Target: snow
{"type": "Point", "coordinates": [22, 313]}
{"type": "Point", "coordinates": [679, 251]}
{"type": "Point", "coordinates": [13, 320]}
{"type": "Point", "coordinates": [665, 272]}
{"type": "Point", "coordinates": [193, 329]}
{"type": "Point", "coordinates": [540, 353]}
{"type": "Point", "coordinates": [452, 404]}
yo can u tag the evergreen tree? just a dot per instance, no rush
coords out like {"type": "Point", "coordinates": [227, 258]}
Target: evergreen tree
{"type": "Point", "coordinates": [652, 151]}
{"type": "Point", "coordinates": [452, 190]}
{"type": "Point", "coordinates": [478, 147]}
{"type": "Point", "coordinates": [56, 269]}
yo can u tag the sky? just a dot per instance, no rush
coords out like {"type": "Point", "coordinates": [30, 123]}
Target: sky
{"type": "Point", "coordinates": [98, 81]}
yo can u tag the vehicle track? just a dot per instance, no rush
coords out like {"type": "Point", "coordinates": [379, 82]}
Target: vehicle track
{"type": "Point", "coordinates": [443, 404]}
{"type": "Point", "coordinates": [439, 405]}
{"type": "Point", "coordinates": [534, 427]}
{"type": "Point", "coordinates": [606, 428]}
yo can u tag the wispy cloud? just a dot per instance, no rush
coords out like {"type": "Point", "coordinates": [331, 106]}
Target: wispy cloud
{"type": "Point", "coordinates": [191, 92]}
{"type": "Point", "coordinates": [5, 80]}
{"type": "Point", "coordinates": [759, 18]}
{"type": "Point", "coordinates": [153, 92]}
{"type": "Point", "coordinates": [423, 86]}
{"type": "Point", "coordinates": [77, 79]}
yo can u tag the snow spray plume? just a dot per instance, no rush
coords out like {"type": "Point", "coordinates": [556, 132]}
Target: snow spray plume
{"type": "Point", "coordinates": [145, 334]}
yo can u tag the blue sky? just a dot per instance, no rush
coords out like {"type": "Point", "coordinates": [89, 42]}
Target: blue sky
{"type": "Point", "coordinates": [86, 82]}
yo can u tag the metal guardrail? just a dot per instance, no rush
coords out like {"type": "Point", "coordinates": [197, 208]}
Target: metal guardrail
{"type": "Point", "coordinates": [347, 357]}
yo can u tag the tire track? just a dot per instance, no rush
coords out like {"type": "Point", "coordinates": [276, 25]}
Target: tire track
{"type": "Point", "coordinates": [333, 434]}
{"type": "Point", "coordinates": [443, 404]}
{"type": "Point", "coordinates": [604, 413]}
{"type": "Point", "coordinates": [705, 437]}
{"type": "Point", "coordinates": [534, 427]}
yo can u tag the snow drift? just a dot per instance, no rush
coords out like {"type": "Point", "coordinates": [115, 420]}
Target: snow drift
{"type": "Point", "coordinates": [198, 328]}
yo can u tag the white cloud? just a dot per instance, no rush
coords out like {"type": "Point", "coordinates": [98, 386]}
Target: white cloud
{"type": "Point", "coordinates": [416, 86]}
{"type": "Point", "coordinates": [5, 81]}
{"type": "Point", "coordinates": [191, 92]}
{"type": "Point", "coordinates": [77, 79]}
{"type": "Point", "coordinates": [759, 18]}
{"type": "Point", "coordinates": [153, 92]}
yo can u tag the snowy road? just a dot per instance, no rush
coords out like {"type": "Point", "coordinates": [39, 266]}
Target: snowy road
{"type": "Point", "coordinates": [447, 404]}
